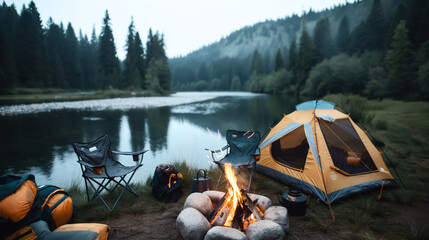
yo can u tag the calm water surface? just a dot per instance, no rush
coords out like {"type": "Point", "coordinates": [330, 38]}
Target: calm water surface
{"type": "Point", "coordinates": [40, 143]}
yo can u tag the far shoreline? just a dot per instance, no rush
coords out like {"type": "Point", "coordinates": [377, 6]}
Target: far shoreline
{"type": "Point", "coordinates": [115, 103]}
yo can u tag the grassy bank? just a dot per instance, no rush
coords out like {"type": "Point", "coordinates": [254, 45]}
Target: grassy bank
{"type": "Point", "coordinates": [401, 213]}
{"type": "Point", "coordinates": [36, 95]}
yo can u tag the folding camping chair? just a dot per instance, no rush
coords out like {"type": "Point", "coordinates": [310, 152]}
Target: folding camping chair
{"type": "Point", "coordinates": [241, 151]}
{"type": "Point", "coordinates": [99, 168]}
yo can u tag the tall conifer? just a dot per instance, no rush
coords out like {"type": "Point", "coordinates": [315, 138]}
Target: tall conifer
{"type": "Point", "coordinates": [343, 35]}
{"type": "Point", "coordinates": [30, 50]}
{"type": "Point", "coordinates": [398, 59]}
{"type": "Point", "coordinates": [108, 63]}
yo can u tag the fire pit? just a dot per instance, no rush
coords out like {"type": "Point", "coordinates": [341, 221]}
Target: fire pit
{"type": "Point", "coordinates": [235, 214]}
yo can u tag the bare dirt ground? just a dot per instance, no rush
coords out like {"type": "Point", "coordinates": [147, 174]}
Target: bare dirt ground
{"type": "Point", "coordinates": [162, 224]}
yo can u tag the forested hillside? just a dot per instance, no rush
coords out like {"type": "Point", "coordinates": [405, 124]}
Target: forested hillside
{"type": "Point", "coordinates": [376, 48]}
{"type": "Point", "coordinates": [35, 55]}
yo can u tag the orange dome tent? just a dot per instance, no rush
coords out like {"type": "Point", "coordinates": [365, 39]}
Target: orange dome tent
{"type": "Point", "coordinates": [322, 152]}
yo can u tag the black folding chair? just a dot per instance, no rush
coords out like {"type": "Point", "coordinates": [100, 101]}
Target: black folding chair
{"type": "Point", "coordinates": [99, 168]}
{"type": "Point", "coordinates": [241, 151]}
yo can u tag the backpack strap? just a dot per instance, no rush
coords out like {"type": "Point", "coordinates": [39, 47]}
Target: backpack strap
{"type": "Point", "coordinates": [66, 195]}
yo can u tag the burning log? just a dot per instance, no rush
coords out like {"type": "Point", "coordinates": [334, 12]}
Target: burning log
{"type": "Point", "coordinates": [235, 209]}
{"type": "Point", "coordinates": [219, 214]}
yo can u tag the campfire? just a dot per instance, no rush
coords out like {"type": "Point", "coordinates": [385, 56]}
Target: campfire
{"type": "Point", "coordinates": [236, 214]}
{"type": "Point", "coordinates": [235, 209]}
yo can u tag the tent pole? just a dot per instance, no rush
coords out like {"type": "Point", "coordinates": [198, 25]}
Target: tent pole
{"type": "Point", "coordinates": [321, 170]}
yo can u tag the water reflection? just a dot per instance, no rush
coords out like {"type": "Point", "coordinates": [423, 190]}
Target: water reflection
{"type": "Point", "coordinates": [41, 143]}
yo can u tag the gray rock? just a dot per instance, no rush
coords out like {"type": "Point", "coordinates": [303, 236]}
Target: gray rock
{"type": "Point", "coordinates": [278, 214]}
{"type": "Point", "coordinates": [199, 201]}
{"type": "Point", "coordinates": [265, 230]}
{"type": "Point", "coordinates": [214, 195]}
{"type": "Point", "coordinates": [261, 201]}
{"type": "Point", "coordinates": [191, 224]}
{"type": "Point", "coordinates": [224, 233]}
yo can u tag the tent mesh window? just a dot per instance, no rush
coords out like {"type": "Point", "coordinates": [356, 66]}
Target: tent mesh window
{"type": "Point", "coordinates": [292, 149]}
{"type": "Point", "coordinates": [346, 148]}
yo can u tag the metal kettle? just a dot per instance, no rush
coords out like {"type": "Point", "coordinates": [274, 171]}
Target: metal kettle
{"type": "Point", "coordinates": [201, 184]}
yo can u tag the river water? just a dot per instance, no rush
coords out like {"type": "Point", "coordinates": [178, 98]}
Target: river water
{"type": "Point", "coordinates": [39, 142]}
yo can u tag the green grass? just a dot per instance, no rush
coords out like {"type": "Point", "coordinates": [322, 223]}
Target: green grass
{"type": "Point", "coordinates": [36, 95]}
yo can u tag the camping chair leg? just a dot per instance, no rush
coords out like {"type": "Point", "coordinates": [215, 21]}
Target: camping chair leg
{"type": "Point", "coordinates": [128, 186]}
{"type": "Point", "coordinates": [117, 200]}
{"type": "Point", "coordinates": [101, 187]}
{"type": "Point", "coordinates": [125, 187]}
{"type": "Point", "coordinates": [99, 195]}
{"type": "Point", "coordinates": [251, 177]}
{"type": "Point", "coordinates": [86, 187]}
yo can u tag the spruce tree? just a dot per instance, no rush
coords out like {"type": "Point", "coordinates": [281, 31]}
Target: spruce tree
{"type": "Point", "coordinates": [140, 61]}
{"type": "Point", "coordinates": [398, 62]}
{"type": "Point", "coordinates": [108, 63]}
{"type": "Point", "coordinates": [158, 74]}
{"type": "Point", "coordinates": [8, 23]}
{"type": "Point", "coordinates": [418, 22]}
{"type": "Point", "coordinates": [322, 40]}
{"type": "Point", "coordinates": [278, 62]}
{"type": "Point", "coordinates": [30, 50]}
{"type": "Point", "coordinates": [370, 34]}
{"type": "Point", "coordinates": [257, 66]}
{"type": "Point", "coordinates": [73, 68]}
{"type": "Point", "coordinates": [343, 35]}
{"type": "Point", "coordinates": [87, 61]}
{"type": "Point", "coordinates": [293, 58]}
{"type": "Point", "coordinates": [377, 27]}
{"type": "Point", "coordinates": [55, 43]}
{"type": "Point", "coordinates": [130, 59]}
{"type": "Point", "coordinates": [305, 61]}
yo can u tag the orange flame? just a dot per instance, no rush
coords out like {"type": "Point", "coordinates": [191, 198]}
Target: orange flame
{"type": "Point", "coordinates": [234, 191]}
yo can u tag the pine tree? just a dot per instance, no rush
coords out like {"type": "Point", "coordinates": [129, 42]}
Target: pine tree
{"type": "Point", "coordinates": [30, 50]}
{"type": "Point", "coordinates": [130, 59]}
{"type": "Point", "coordinates": [257, 66]}
{"type": "Point", "coordinates": [377, 27]}
{"type": "Point", "coordinates": [398, 58]}
{"type": "Point", "coordinates": [55, 42]}
{"type": "Point", "coordinates": [278, 62]}
{"type": "Point", "coordinates": [293, 54]}
{"type": "Point", "coordinates": [8, 21]}
{"type": "Point", "coordinates": [370, 34]}
{"type": "Point", "coordinates": [140, 61]}
{"type": "Point", "coordinates": [108, 63]}
{"type": "Point", "coordinates": [73, 68]}
{"type": "Point", "coordinates": [87, 61]}
{"type": "Point", "coordinates": [343, 35]}
{"type": "Point", "coordinates": [418, 22]}
{"type": "Point", "coordinates": [400, 14]}
{"type": "Point", "coordinates": [305, 60]}
{"type": "Point", "coordinates": [322, 40]}
{"type": "Point", "coordinates": [158, 74]}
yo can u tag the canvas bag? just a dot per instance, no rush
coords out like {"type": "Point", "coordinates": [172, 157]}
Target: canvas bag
{"type": "Point", "coordinates": [57, 207]}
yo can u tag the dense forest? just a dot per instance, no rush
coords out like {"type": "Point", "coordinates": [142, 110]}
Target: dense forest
{"type": "Point", "coordinates": [374, 48]}
{"type": "Point", "coordinates": [52, 56]}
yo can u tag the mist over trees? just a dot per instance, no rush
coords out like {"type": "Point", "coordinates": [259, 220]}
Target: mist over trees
{"type": "Point", "coordinates": [374, 48]}
{"type": "Point", "coordinates": [33, 55]}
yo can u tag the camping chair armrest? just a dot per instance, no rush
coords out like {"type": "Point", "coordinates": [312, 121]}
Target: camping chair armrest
{"type": "Point", "coordinates": [218, 150]}
{"type": "Point", "coordinates": [214, 152]}
{"type": "Point", "coordinates": [89, 165]}
{"type": "Point", "coordinates": [257, 154]}
{"type": "Point", "coordinates": [135, 154]}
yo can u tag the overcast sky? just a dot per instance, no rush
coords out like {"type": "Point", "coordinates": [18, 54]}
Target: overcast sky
{"type": "Point", "coordinates": [187, 25]}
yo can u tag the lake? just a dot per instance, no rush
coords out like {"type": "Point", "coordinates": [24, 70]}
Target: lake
{"type": "Point", "coordinates": [40, 143]}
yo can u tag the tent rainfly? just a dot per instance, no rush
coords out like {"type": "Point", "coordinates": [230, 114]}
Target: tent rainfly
{"type": "Point", "coordinates": [322, 152]}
